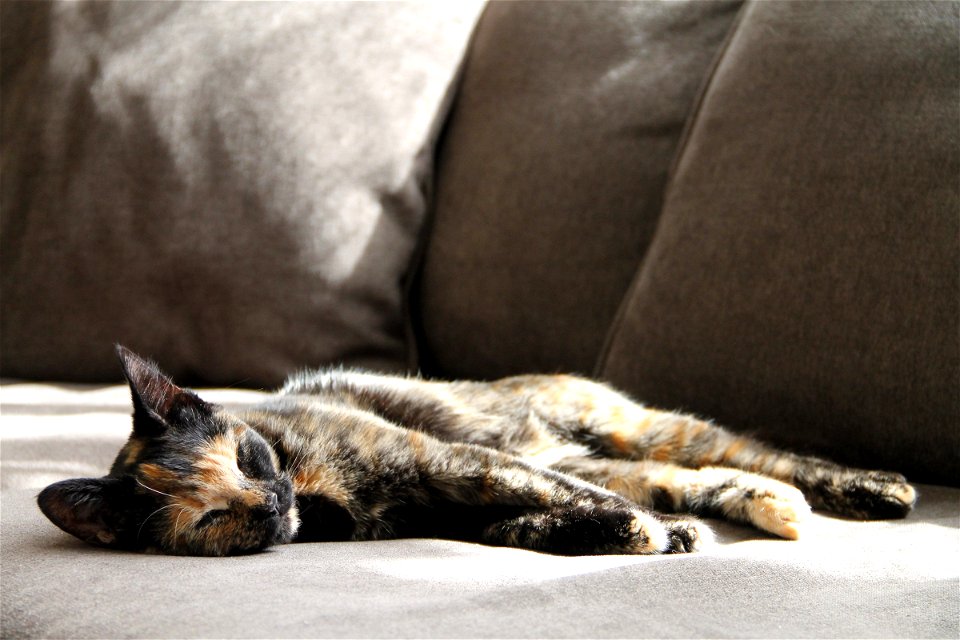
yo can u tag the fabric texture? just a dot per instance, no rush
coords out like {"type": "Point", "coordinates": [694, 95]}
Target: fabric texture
{"type": "Point", "coordinates": [550, 178]}
{"type": "Point", "coordinates": [232, 188]}
{"type": "Point", "coordinates": [803, 282]}
{"type": "Point", "coordinates": [842, 579]}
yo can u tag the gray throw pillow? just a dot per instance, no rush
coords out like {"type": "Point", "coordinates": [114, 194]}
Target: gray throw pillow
{"type": "Point", "coordinates": [232, 188]}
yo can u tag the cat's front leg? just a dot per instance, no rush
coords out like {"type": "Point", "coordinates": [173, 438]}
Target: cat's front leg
{"type": "Point", "coordinates": [597, 529]}
{"type": "Point", "coordinates": [564, 514]}
{"type": "Point", "coordinates": [403, 482]}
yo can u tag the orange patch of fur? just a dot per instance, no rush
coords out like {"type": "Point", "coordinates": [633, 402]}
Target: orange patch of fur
{"type": "Point", "coordinates": [620, 485]}
{"type": "Point", "coordinates": [160, 479]}
{"type": "Point", "coordinates": [647, 420]}
{"type": "Point", "coordinates": [417, 445]}
{"type": "Point", "coordinates": [157, 477]}
{"type": "Point", "coordinates": [321, 481]}
{"type": "Point", "coordinates": [191, 502]}
{"type": "Point", "coordinates": [217, 467]}
{"type": "Point", "coordinates": [680, 437]}
{"type": "Point", "coordinates": [620, 441]}
{"type": "Point", "coordinates": [662, 453]}
{"type": "Point", "coordinates": [698, 429]}
{"type": "Point", "coordinates": [133, 448]}
{"type": "Point", "coordinates": [732, 450]}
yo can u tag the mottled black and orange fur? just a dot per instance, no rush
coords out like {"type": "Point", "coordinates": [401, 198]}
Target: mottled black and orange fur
{"type": "Point", "coordinates": [547, 462]}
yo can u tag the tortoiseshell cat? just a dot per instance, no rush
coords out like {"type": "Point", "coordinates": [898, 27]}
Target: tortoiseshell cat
{"type": "Point", "coordinates": [554, 463]}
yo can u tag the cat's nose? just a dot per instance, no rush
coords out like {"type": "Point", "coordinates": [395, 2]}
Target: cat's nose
{"type": "Point", "coordinates": [271, 506]}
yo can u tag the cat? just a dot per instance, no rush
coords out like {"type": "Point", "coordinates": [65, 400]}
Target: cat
{"type": "Point", "coordinates": [553, 463]}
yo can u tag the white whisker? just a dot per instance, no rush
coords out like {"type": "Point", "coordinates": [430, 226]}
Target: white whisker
{"type": "Point", "coordinates": [166, 506]}
{"type": "Point", "coordinates": [152, 489]}
{"type": "Point", "coordinates": [176, 525]}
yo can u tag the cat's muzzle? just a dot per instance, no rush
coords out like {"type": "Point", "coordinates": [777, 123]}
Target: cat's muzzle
{"type": "Point", "coordinates": [278, 514]}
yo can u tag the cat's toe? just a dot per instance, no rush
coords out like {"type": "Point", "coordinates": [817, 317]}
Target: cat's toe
{"type": "Point", "coordinates": [647, 534]}
{"type": "Point", "coordinates": [780, 515]}
{"type": "Point", "coordinates": [906, 496]}
{"type": "Point", "coordinates": [687, 536]}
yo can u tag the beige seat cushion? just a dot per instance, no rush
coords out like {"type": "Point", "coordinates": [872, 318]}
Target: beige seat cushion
{"type": "Point", "coordinates": [843, 579]}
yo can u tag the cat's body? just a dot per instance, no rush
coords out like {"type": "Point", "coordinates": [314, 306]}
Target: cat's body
{"type": "Point", "coordinates": [555, 463]}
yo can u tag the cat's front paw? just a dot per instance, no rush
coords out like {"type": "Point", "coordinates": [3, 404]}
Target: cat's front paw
{"type": "Point", "coordinates": [646, 534]}
{"type": "Point", "coordinates": [686, 535]}
{"type": "Point", "coordinates": [668, 534]}
{"type": "Point", "coordinates": [865, 495]}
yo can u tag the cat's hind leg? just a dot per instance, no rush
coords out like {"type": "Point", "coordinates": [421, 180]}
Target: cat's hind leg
{"type": "Point", "coordinates": [614, 426]}
{"type": "Point", "coordinates": [695, 443]}
{"type": "Point", "coordinates": [732, 494]}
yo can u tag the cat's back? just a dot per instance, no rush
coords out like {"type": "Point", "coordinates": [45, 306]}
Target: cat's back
{"type": "Point", "coordinates": [462, 411]}
{"type": "Point", "coordinates": [503, 414]}
{"type": "Point", "coordinates": [403, 400]}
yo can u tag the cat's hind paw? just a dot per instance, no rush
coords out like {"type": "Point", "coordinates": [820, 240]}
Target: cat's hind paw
{"type": "Point", "coordinates": [768, 504]}
{"type": "Point", "coordinates": [779, 514]}
{"type": "Point", "coordinates": [866, 495]}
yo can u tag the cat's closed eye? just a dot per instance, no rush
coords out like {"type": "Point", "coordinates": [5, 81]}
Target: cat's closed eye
{"type": "Point", "coordinates": [211, 517]}
{"type": "Point", "coordinates": [253, 460]}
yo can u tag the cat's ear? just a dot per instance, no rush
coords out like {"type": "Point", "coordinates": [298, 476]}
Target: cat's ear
{"type": "Point", "coordinates": [156, 399]}
{"type": "Point", "coordinates": [95, 510]}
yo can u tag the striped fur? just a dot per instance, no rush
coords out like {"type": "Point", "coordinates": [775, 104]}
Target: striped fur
{"type": "Point", "coordinates": [553, 463]}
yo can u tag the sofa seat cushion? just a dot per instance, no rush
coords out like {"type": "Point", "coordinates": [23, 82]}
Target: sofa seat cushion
{"type": "Point", "coordinates": [842, 579]}
{"type": "Point", "coordinates": [803, 283]}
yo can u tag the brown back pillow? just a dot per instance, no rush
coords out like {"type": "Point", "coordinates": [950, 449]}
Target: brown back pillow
{"type": "Point", "coordinates": [803, 281]}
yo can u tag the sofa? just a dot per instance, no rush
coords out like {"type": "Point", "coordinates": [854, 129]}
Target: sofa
{"type": "Point", "coordinates": [744, 210]}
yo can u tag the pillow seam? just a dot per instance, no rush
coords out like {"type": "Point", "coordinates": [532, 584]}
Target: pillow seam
{"type": "Point", "coordinates": [603, 358]}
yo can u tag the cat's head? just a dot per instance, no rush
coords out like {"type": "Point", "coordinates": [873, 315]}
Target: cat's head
{"type": "Point", "coordinates": [192, 479]}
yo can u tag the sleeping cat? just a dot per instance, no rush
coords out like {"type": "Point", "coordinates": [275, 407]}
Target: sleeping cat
{"type": "Point", "coordinates": [547, 462]}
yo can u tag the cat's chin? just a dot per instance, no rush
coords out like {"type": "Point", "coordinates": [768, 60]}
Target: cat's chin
{"type": "Point", "coordinates": [285, 527]}
{"type": "Point", "coordinates": [279, 529]}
